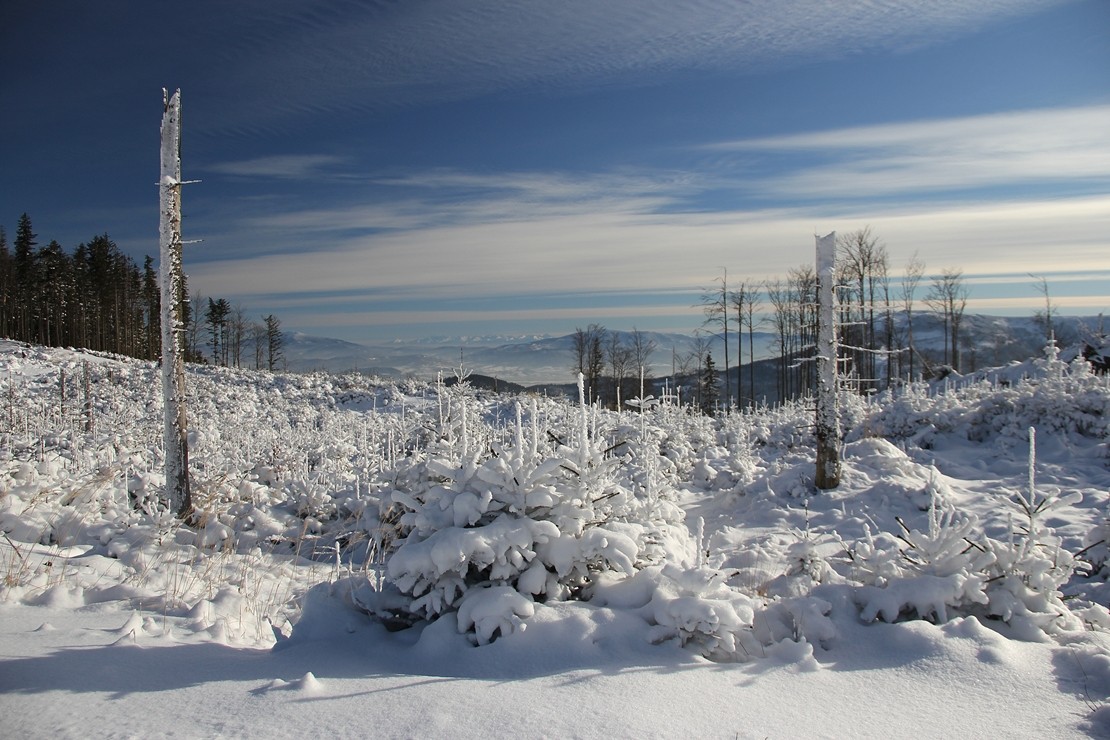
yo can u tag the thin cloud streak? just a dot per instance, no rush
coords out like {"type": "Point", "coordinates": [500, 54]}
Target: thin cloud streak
{"type": "Point", "coordinates": [1003, 149]}
{"type": "Point", "coordinates": [376, 316]}
{"type": "Point", "coordinates": [629, 250]}
{"type": "Point", "coordinates": [404, 53]}
{"type": "Point", "coordinates": [287, 166]}
{"type": "Point", "coordinates": [442, 234]}
{"type": "Point", "coordinates": [1069, 303]}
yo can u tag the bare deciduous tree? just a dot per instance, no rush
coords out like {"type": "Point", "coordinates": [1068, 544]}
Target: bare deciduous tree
{"type": "Point", "coordinates": [715, 305]}
{"type": "Point", "coordinates": [778, 297]}
{"type": "Point", "coordinates": [589, 356]}
{"type": "Point", "coordinates": [643, 347]}
{"type": "Point", "coordinates": [862, 273]}
{"type": "Point", "coordinates": [236, 334]}
{"type": "Point", "coordinates": [947, 298]}
{"type": "Point", "coordinates": [618, 356]}
{"type": "Point", "coordinates": [911, 278]}
{"type": "Point", "coordinates": [745, 302]}
{"type": "Point", "coordinates": [257, 332]}
{"type": "Point", "coordinates": [1044, 316]}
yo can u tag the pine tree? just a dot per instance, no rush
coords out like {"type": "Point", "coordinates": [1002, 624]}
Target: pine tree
{"type": "Point", "coordinates": [152, 311]}
{"type": "Point", "coordinates": [216, 318]}
{"type": "Point", "coordinates": [53, 292]}
{"type": "Point", "coordinates": [6, 280]}
{"type": "Point", "coordinates": [24, 269]}
{"type": "Point", "coordinates": [274, 342]}
{"type": "Point", "coordinates": [709, 386]}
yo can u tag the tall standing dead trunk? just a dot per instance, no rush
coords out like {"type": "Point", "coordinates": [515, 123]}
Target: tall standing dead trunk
{"type": "Point", "coordinates": [178, 497]}
{"type": "Point", "coordinates": [828, 417]}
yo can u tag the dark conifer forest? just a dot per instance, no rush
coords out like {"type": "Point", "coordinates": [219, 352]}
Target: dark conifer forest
{"type": "Point", "coordinates": [96, 297]}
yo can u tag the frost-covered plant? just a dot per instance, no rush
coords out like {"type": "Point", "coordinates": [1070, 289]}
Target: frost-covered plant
{"type": "Point", "coordinates": [807, 564]}
{"type": "Point", "coordinates": [1048, 393]}
{"type": "Point", "coordinates": [1031, 567]}
{"type": "Point", "coordinates": [954, 566]}
{"type": "Point", "coordinates": [697, 607]}
{"type": "Point", "coordinates": [542, 525]}
{"type": "Point", "coordinates": [926, 573]}
{"type": "Point", "coordinates": [312, 496]}
{"type": "Point", "coordinates": [1097, 552]}
{"type": "Point", "coordinates": [1024, 588]}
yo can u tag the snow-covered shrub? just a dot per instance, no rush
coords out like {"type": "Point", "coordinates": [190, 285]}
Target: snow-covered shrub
{"type": "Point", "coordinates": [1054, 396]}
{"type": "Point", "coordinates": [541, 524]}
{"type": "Point", "coordinates": [1096, 553]}
{"type": "Point", "coordinates": [1030, 568]}
{"type": "Point", "coordinates": [799, 619]}
{"type": "Point", "coordinates": [312, 496]}
{"type": "Point", "coordinates": [925, 573]}
{"type": "Point", "coordinates": [955, 569]}
{"type": "Point", "coordinates": [697, 607]}
{"type": "Point", "coordinates": [491, 611]}
{"type": "Point", "coordinates": [1023, 589]}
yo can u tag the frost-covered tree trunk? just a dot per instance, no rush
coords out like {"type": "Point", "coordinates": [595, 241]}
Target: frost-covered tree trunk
{"type": "Point", "coordinates": [828, 418]}
{"type": "Point", "coordinates": [178, 497]}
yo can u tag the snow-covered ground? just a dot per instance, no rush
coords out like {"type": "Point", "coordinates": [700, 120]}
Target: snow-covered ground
{"type": "Point", "coordinates": [634, 575]}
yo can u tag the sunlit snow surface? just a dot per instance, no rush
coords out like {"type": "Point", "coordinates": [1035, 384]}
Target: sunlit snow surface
{"type": "Point", "coordinates": [115, 622]}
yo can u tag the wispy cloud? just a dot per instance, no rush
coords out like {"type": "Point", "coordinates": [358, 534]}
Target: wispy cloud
{"type": "Point", "coordinates": [286, 166]}
{"type": "Point", "coordinates": [1076, 304]}
{"type": "Point", "coordinates": [399, 242]}
{"type": "Point", "coordinates": [626, 246]}
{"type": "Point", "coordinates": [439, 198]}
{"type": "Point", "coordinates": [364, 57]}
{"type": "Point", "coordinates": [1004, 149]}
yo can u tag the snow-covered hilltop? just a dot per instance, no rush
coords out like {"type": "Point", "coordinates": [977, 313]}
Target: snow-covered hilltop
{"type": "Point", "coordinates": [369, 555]}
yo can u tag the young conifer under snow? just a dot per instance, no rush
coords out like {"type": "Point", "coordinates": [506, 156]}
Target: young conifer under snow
{"type": "Point", "coordinates": [489, 532]}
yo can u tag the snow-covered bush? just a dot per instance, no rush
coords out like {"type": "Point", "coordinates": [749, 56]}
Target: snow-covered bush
{"type": "Point", "coordinates": [543, 525]}
{"type": "Point", "coordinates": [697, 607]}
{"type": "Point", "coordinates": [924, 574]}
{"type": "Point", "coordinates": [954, 568]}
{"type": "Point", "coordinates": [1047, 393]}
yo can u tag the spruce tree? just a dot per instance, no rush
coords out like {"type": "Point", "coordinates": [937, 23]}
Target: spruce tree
{"type": "Point", "coordinates": [710, 390]}
{"type": "Point", "coordinates": [24, 269]}
{"type": "Point", "coordinates": [274, 342]}
{"type": "Point", "coordinates": [152, 311]}
{"type": "Point", "coordinates": [216, 318]}
{"type": "Point", "coordinates": [6, 280]}
{"type": "Point", "coordinates": [52, 294]}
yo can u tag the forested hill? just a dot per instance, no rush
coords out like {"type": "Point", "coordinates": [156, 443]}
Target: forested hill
{"type": "Point", "coordinates": [98, 298]}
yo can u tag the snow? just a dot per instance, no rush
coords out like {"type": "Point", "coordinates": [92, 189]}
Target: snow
{"type": "Point", "coordinates": [771, 611]}
{"type": "Point", "coordinates": [582, 673]}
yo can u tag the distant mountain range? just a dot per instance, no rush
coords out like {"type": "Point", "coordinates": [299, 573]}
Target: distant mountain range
{"type": "Point", "coordinates": [524, 360]}
{"type": "Point", "coordinates": [530, 360]}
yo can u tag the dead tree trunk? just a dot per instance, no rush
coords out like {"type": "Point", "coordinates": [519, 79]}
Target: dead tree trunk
{"type": "Point", "coordinates": [178, 497]}
{"type": "Point", "coordinates": [828, 416]}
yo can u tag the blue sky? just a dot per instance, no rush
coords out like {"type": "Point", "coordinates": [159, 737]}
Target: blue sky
{"type": "Point", "coordinates": [374, 170]}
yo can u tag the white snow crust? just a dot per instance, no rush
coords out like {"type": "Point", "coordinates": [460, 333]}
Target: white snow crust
{"type": "Point", "coordinates": [688, 582]}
